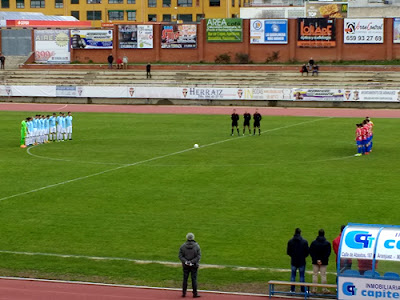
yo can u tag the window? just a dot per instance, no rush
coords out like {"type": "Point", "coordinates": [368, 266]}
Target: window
{"type": "Point", "coordinates": [185, 18]}
{"type": "Point", "coordinates": [131, 2]}
{"type": "Point", "coordinates": [115, 1]}
{"type": "Point", "coordinates": [131, 15]}
{"type": "Point", "coordinates": [74, 1]}
{"type": "Point", "coordinates": [59, 3]}
{"type": "Point", "coordinates": [5, 3]}
{"type": "Point", "coordinates": [93, 1]}
{"type": "Point", "coordinates": [166, 18]}
{"type": "Point", "coordinates": [152, 18]}
{"type": "Point", "coordinates": [37, 4]}
{"type": "Point", "coordinates": [93, 15]}
{"type": "Point", "coordinates": [166, 3]}
{"type": "Point", "coordinates": [115, 15]}
{"type": "Point", "coordinates": [215, 3]}
{"type": "Point", "coordinates": [151, 3]}
{"type": "Point", "coordinates": [185, 3]}
{"type": "Point", "coordinates": [75, 14]}
{"type": "Point", "coordinates": [199, 17]}
{"type": "Point", "coordinates": [233, 3]}
{"type": "Point", "coordinates": [20, 3]}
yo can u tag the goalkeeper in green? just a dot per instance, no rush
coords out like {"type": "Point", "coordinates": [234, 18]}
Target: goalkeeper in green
{"type": "Point", "coordinates": [24, 131]}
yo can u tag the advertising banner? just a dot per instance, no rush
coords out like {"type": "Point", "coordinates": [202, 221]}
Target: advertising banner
{"type": "Point", "coordinates": [363, 31]}
{"type": "Point", "coordinates": [179, 36]}
{"type": "Point", "coordinates": [388, 245]}
{"type": "Point", "coordinates": [269, 31]}
{"type": "Point", "coordinates": [396, 30]}
{"type": "Point", "coordinates": [91, 39]}
{"type": "Point", "coordinates": [335, 10]}
{"type": "Point", "coordinates": [352, 288]}
{"type": "Point", "coordinates": [317, 95]}
{"type": "Point", "coordinates": [65, 91]}
{"type": "Point", "coordinates": [224, 30]}
{"type": "Point", "coordinates": [316, 32]}
{"type": "Point", "coordinates": [135, 36]}
{"type": "Point", "coordinates": [372, 95]}
{"type": "Point", "coordinates": [52, 46]}
{"type": "Point", "coordinates": [359, 242]}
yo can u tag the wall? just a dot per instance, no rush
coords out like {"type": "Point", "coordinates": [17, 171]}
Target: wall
{"type": "Point", "coordinates": [207, 52]}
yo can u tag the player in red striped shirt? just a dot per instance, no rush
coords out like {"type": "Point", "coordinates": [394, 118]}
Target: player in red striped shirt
{"type": "Point", "coordinates": [359, 140]}
{"type": "Point", "coordinates": [365, 135]}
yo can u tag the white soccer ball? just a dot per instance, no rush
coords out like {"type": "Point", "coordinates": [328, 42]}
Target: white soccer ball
{"type": "Point", "coordinates": [196, 146]}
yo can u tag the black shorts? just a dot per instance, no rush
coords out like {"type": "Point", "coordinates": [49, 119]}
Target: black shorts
{"type": "Point", "coordinates": [234, 124]}
{"type": "Point", "coordinates": [256, 124]}
{"type": "Point", "coordinates": [246, 124]}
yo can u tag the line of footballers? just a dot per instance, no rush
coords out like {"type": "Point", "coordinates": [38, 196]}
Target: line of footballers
{"type": "Point", "coordinates": [246, 123]}
{"type": "Point", "coordinates": [43, 129]}
{"type": "Point", "coordinates": [364, 136]}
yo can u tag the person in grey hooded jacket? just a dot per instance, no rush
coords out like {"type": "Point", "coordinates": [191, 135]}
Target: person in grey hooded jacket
{"type": "Point", "coordinates": [189, 255]}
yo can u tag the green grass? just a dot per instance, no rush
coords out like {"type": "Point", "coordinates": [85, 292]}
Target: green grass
{"type": "Point", "coordinates": [242, 198]}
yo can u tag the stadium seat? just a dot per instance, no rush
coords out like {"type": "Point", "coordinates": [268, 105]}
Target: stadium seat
{"type": "Point", "coordinates": [351, 273]}
{"type": "Point", "coordinates": [371, 273]}
{"type": "Point", "coordinates": [391, 275]}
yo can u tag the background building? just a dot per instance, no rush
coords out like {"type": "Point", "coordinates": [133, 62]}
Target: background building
{"type": "Point", "coordinates": [123, 11]}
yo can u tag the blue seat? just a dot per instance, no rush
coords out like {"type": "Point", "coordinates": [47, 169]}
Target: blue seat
{"type": "Point", "coordinates": [351, 273]}
{"type": "Point", "coordinates": [371, 273]}
{"type": "Point", "coordinates": [391, 275]}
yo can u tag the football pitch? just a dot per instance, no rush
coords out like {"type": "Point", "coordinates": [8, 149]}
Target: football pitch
{"type": "Point", "coordinates": [115, 204]}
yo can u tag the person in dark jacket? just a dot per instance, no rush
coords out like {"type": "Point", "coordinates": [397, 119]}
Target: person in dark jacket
{"type": "Point", "coordinates": [189, 255]}
{"type": "Point", "coordinates": [320, 250]}
{"type": "Point", "coordinates": [297, 249]}
{"type": "Point", "coordinates": [148, 70]}
{"type": "Point", "coordinates": [110, 60]}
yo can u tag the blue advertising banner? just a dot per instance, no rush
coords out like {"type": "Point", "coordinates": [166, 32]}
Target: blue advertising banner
{"type": "Point", "coordinates": [271, 31]}
{"type": "Point", "coordinates": [91, 39]}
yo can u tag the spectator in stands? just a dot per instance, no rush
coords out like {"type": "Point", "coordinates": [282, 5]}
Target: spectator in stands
{"type": "Point", "coordinates": [2, 61]}
{"type": "Point", "coordinates": [189, 255]}
{"type": "Point", "coordinates": [110, 60]}
{"type": "Point", "coordinates": [119, 63]}
{"type": "Point", "coordinates": [315, 70]}
{"type": "Point", "coordinates": [345, 263]}
{"type": "Point", "coordinates": [320, 250]}
{"type": "Point", "coordinates": [125, 62]}
{"type": "Point", "coordinates": [303, 70]}
{"type": "Point", "coordinates": [311, 63]}
{"type": "Point", "coordinates": [297, 249]}
{"type": "Point", "coordinates": [148, 70]}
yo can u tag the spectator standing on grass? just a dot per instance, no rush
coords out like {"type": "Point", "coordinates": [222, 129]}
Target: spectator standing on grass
{"type": "Point", "coordinates": [2, 61]}
{"type": "Point", "coordinates": [320, 250]}
{"type": "Point", "coordinates": [110, 60]}
{"type": "Point", "coordinates": [125, 62]}
{"type": "Point", "coordinates": [297, 249]}
{"type": "Point", "coordinates": [189, 255]}
{"type": "Point", "coordinates": [345, 264]}
{"type": "Point", "coordinates": [148, 70]}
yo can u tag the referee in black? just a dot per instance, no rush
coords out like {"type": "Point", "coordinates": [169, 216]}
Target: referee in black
{"type": "Point", "coordinates": [235, 119]}
{"type": "Point", "coordinates": [247, 118]}
{"type": "Point", "coordinates": [257, 119]}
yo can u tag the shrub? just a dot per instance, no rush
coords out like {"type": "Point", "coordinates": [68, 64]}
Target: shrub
{"type": "Point", "coordinates": [224, 58]}
{"type": "Point", "coordinates": [242, 58]}
{"type": "Point", "coordinates": [272, 57]}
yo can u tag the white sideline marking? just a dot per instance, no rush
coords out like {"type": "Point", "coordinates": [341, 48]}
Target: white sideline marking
{"type": "Point", "coordinates": [150, 159]}
{"type": "Point", "coordinates": [63, 107]}
{"type": "Point", "coordinates": [141, 261]}
{"type": "Point", "coordinates": [124, 286]}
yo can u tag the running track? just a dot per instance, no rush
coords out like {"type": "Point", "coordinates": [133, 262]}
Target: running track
{"type": "Point", "coordinates": [26, 289]}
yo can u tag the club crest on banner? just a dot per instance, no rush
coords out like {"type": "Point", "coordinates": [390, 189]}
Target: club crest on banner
{"type": "Point", "coordinates": [131, 91]}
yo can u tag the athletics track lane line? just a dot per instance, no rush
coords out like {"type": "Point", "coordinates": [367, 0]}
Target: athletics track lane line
{"type": "Point", "coordinates": [151, 159]}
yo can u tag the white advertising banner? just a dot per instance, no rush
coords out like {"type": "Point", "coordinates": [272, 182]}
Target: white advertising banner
{"type": "Point", "coordinates": [135, 36]}
{"type": "Point", "coordinates": [102, 91]}
{"type": "Point", "coordinates": [91, 39]}
{"type": "Point", "coordinates": [356, 288]}
{"type": "Point", "coordinates": [376, 95]}
{"type": "Point", "coordinates": [388, 245]}
{"type": "Point", "coordinates": [32, 90]}
{"type": "Point", "coordinates": [317, 95]}
{"type": "Point", "coordinates": [363, 31]}
{"type": "Point", "coordinates": [52, 46]}
{"type": "Point", "coordinates": [359, 242]}
{"type": "Point", "coordinates": [65, 91]}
